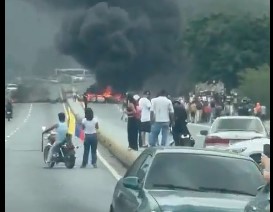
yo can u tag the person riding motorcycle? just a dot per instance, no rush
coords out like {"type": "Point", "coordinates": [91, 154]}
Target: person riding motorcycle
{"type": "Point", "coordinates": [61, 135]}
{"type": "Point", "coordinates": [9, 107]}
{"type": "Point", "coordinates": [180, 124]}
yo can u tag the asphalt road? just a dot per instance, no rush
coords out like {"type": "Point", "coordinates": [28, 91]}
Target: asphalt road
{"type": "Point", "coordinates": [31, 187]}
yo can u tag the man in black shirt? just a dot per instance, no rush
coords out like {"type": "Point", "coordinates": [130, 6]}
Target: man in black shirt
{"type": "Point", "coordinates": [180, 123]}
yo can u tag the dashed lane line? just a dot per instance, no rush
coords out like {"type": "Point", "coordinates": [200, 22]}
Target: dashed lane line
{"type": "Point", "coordinates": [18, 128]}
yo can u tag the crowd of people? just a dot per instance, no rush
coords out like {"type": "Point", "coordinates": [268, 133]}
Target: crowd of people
{"type": "Point", "coordinates": [202, 109]}
{"type": "Point", "coordinates": [148, 117]}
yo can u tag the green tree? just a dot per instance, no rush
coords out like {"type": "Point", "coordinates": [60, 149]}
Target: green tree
{"type": "Point", "coordinates": [220, 45]}
{"type": "Point", "coordinates": [255, 83]}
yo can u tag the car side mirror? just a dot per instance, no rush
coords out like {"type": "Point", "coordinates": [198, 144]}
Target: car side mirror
{"type": "Point", "coordinates": [204, 132]}
{"type": "Point", "coordinates": [131, 182]}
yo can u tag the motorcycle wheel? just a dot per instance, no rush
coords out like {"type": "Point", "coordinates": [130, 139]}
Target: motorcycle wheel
{"type": "Point", "coordinates": [172, 143]}
{"type": "Point", "coordinates": [70, 162]}
{"type": "Point", "coordinates": [46, 151]}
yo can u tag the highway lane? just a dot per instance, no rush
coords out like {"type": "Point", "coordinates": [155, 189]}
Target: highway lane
{"type": "Point", "coordinates": [21, 114]}
{"type": "Point", "coordinates": [31, 187]}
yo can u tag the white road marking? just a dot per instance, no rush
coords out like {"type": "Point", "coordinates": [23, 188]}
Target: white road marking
{"type": "Point", "coordinates": [18, 128]}
{"type": "Point", "coordinates": [108, 166]}
{"type": "Point", "coordinates": [105, 163]}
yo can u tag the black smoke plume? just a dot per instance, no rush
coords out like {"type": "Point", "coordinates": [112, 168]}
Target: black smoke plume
{"type": "Point", "coordinates": [125, 42]}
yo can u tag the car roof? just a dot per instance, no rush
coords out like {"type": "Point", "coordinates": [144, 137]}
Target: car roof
{"type": "Point", "coordinates": [198, 151]}
{"type": "Point", "coordinates": [238, 117]}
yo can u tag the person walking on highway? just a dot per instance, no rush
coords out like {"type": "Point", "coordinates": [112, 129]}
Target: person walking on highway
{"type": "Point", "coordinates": [133, 113]}
{"type": "Point", "coordinates": [145, 124]}
{"type": "Point", "coordinates": [90, 126]}
{"type": "Point", "coordinates": [162, 114]}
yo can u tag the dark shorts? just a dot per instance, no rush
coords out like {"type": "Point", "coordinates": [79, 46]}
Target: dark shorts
{"type": "Point", "coordinates": [145, 126]}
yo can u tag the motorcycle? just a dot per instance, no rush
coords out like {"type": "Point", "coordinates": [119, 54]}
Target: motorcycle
{"type": "Point", "coordinates": [8, 115]}
{"type": "Point", "coordinates": [65, 155]}
{"type": "Point", "coordinates": [185, 140]}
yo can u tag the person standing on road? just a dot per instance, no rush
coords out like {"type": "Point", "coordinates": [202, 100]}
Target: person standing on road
{"type": "Point", "coordinates": [213, 111]}
{"type": "Point", "coordinates": [145, 125]}
{"type": "Point", "coordinates": [137, 98]}
{"type": "Point", "coordinates": [180, 123]}
{"type": "Point", "coordinates": [90, 126]}
{"type": "Point", "coordinates": [162, 114]}
{"type": "Point", "coordinates": [199, 107]}
{"type": "Point", "coordinates": [74, 93]}
{"type": "Point", "coordinates": [193, 110]}
{"type": "Point", "coordinates": [133, 114]}
{"type": "Point", "coordinates": [85, 100]}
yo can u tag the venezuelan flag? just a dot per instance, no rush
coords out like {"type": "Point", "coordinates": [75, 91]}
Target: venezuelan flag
{"type": "Point", "coordinates": [79, 132]}
{"type": "Point", "coordinates": [74, 127]}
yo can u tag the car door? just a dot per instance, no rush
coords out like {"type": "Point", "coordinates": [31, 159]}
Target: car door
{"type": "Point", "coordinates": [127, 199]}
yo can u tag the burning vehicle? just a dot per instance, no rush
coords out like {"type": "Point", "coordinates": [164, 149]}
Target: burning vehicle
{"type": "Point", "coordinates": [103, 95]}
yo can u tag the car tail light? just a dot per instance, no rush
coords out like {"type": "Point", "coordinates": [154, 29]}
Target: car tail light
{"type": "Point", "coordinates": [214, 140]}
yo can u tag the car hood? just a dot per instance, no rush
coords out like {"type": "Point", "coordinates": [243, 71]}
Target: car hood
{"type": "Point", "coordinates": [240, 135]}
{"type": "Point", "coordinates": [199, 201]}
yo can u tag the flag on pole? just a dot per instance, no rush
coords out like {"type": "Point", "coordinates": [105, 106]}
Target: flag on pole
{"type": "Point", "coordinates": [72, 122]}
{"type": "Point", "coordinates": [79, 132]}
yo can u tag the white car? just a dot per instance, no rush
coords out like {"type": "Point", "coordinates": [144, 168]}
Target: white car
{"type": "Point", "coordinates": [229, 130]}
{"type": "Point", "coordinates": [251, 148]}
{"type": "Point", "coordinates": [12, 87]}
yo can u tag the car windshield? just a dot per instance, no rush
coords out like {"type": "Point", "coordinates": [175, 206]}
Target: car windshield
{"type": "Point", "coordinates": [237, 125]}
{"type": "Point", "coordinates": [204, 173]}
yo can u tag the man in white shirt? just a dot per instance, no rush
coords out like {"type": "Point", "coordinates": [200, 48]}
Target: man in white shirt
{"type": "Point", "coordinates": [145, 125]}
{"type": "Point", "coordinates": [162, 114]}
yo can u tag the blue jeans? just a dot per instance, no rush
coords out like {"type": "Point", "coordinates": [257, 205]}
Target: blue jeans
{"type": "Point", "coordinates": [155, 130]}
{"type": "Point", "coordinates": [90, 141]}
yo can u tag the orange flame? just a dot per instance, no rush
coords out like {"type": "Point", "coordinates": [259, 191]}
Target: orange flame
{"type": "Point", "coordinates": [107, 92]}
